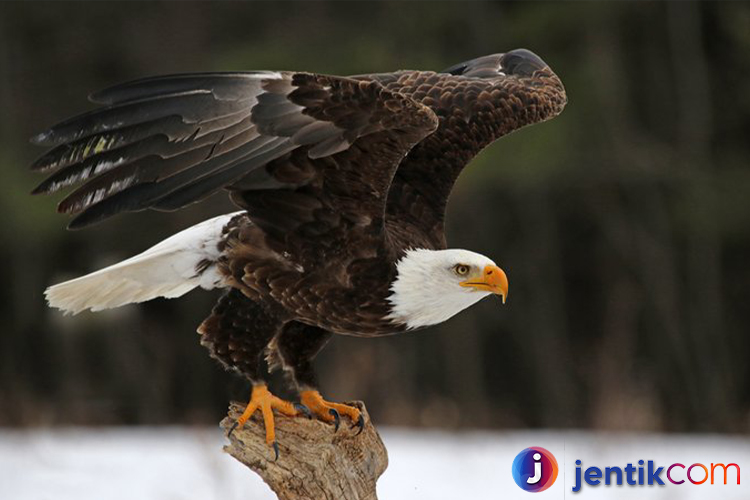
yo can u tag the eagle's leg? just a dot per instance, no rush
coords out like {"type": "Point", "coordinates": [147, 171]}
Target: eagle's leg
{"type": "Point", "coordinates": [296, 347]}
{"type": "Point", "coordinates": [237, 333]}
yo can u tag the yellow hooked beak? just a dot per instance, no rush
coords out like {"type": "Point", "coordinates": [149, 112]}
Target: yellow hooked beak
{"type": "Point", "coordinates": [493, 279]}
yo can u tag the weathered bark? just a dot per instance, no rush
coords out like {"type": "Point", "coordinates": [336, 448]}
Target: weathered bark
{"type": "Point", "coordinates": [315, 463]}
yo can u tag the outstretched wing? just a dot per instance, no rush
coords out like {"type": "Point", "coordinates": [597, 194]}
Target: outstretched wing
{"type": "Point", "coordinates": [477, 102]}
{"type": "Point", "coordinates": [166, 142]}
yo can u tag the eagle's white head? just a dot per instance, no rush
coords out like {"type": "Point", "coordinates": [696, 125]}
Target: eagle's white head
{"type": "Point", "coordinates": [434, 285]}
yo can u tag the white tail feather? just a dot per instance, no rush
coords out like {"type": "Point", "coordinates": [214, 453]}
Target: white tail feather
{"type": "Point", "coordinates": [168, 269]}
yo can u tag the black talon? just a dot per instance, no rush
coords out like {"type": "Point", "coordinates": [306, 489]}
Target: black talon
{"type": "Point", "coordinates": [336, 419]}
{"type": "Point", "coordinates": [231, 429]}
{"type": "Point", "coordinates": [359, 423]}
{"type": "Point", "coordinates": [276, 449]}
{"type": "Point", "coordinates": [303, 409]}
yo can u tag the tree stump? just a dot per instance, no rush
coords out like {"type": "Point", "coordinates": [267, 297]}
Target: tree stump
{"type": "Point", "coordinates": [315, 463]}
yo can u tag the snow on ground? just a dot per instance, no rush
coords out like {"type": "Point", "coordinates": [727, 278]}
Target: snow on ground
{"type": "Point", "coordinates": [187, 463]}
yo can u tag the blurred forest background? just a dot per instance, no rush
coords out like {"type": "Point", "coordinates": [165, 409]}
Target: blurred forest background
{"type": "Point", "coordinates": [623, 224]}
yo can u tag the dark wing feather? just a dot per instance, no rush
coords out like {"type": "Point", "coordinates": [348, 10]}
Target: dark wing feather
{"type": "Point", "coordinates": [146, 137]}
{"type": "Point", "coordinates": [166, 142]}
{"type": "Point", "coordinates": [477, 101]}
{"type": "Point", "coordinates": [193, 107]}
{"type": "Point", "coordinates": [333, 190]}
{"type": "Point", "coordinates": [223, 86]}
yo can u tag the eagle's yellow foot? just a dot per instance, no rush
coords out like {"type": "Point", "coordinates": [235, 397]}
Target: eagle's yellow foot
{"type": "Point", "coordinates": [267, 402]}
{"type": "Point", "coordinates": [330, 412]}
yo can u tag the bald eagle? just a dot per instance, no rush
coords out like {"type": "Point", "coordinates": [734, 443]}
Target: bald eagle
{"type": "Point", "coordinates": [342, 184]}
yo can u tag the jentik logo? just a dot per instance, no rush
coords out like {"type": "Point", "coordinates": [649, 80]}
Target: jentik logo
{"type": "Point", "coordinates": [535, 469]}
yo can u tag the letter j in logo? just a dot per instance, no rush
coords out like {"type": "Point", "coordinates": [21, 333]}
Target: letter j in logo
{"type": "Point", "coordinates": [534, 469]}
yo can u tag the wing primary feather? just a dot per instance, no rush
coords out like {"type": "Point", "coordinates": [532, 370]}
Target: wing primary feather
{"type": "Point", "coordinates": [168, 174]}
{"type": "Point", "coordinates": [223, 85]}
{"type": "Point", "coordinates": [156, 146]}
{"type": "Point", "coordinates": [193, 107]}
{"type": "Point", "coordinates": [98, 203]}
{"type": "Point", "coordinates": [134, 199]}
{"type": "Point", "coordinates": [146, 169]}
{"type": "Point", "coordinates": [101, 163]}
{"type": "Point", "coordinates": [197, 191]}
{"type": "Point", "coordinates": [78, 151]}
{"type": "Point", "coordinates": [171, 126]}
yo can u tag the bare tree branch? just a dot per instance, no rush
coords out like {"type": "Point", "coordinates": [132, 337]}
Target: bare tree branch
{"type": "Point", "coordinates": [314, 461]}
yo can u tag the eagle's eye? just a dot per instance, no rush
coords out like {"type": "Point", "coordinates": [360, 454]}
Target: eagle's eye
{"type": "Point", "coordinates": [461, 269]}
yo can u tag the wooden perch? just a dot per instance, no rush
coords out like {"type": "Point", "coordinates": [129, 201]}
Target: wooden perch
{"type": "Point", "coordinates": [315, 463]}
